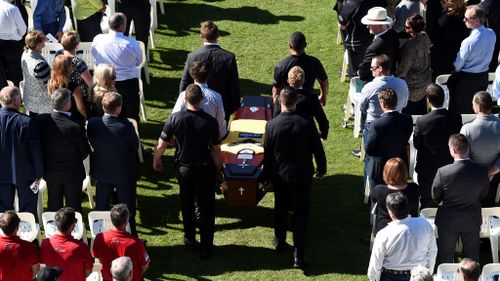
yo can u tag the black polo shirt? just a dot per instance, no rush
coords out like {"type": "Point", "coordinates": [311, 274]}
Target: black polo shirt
{"type": "Point", "coordinates": [312, 67]}
{"type": "Point", "coordinates": [195, 132]}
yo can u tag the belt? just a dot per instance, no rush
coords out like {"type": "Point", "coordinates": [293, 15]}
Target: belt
{"type": "Point", "coordinates": [396, 272]}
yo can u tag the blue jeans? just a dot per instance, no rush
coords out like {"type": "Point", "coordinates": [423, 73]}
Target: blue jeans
{"type": "Point", "coordinates": [389, 277]}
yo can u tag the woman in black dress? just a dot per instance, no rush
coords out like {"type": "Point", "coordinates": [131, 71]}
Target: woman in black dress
{"type": "Point", "coordinates": [396, 178]}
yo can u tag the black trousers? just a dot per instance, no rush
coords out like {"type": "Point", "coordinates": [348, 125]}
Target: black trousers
{"type": "Point", "coordinates": [448, 240]}
{"type": "Point", "coordinates": [295, 198]}
{"type": "Point", "coordinates": [129, 90]}
{"type": "Point", "coordinates": [90, 27]}
{"type": "Point", "coordinates": [463, 86]}
{"type": "Point", "coordinates": [10, 57]}
{"type": "Point", "coordinates": [425, 180]}
{"type": "Point", "coordinates": [356, 55]}
{"type": "Point", "coordinates": [140, 14]}
{"type": "Point", "coordinates": [197, 185]}
{"type": "Point", "coordinates": [127, 194]}
{"type": "Point", "coordinates": [489, 200]}
{"type": "Point", "coordinates": [72, 193]}
{"type": "Point", "coordinates": [27, 199]}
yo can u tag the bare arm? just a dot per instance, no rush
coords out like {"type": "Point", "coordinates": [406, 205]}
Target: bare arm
{"type": "Point", "coordinates": [323, 91]}
{"type": "Point", "coordinates": [160, 149]}
{"type": "Point", "coordinates": [217, 156]}
{"type": "Point", "coordinates": [144, 268]}
{"type": "Point", "coordinates": [87, 77]}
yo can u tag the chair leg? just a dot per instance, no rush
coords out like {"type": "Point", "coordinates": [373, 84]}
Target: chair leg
{"type": "Point", "coordinates": [162, 7]}
{"type": "Point", "coordinates": [139, 152]}
{"type": "Point", "coordinates": [146, 73]}
{"type": "Point", "coordinates": [494, 247]}
{"type": "Point", "coordinates": [343, 75]}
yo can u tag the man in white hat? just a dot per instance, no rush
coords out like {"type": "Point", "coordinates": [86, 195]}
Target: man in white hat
{"type": "Point", "coordinates": [385, 41]}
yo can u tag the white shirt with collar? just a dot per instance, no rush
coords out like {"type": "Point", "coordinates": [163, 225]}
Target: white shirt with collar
{"type": "Point", "coordinates": [121, 51]}
{"type": "Point", "coordinates": [12, 26]}
{"type": "Point", "coordinates": [401, 245]}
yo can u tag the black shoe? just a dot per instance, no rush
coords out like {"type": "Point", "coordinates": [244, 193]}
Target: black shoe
{"type": "Point", "coordinates": [192, 244]}
{"type": "Point", "coordinates": [356, 152]}
{"type": "Point", "coordinates": [280, 246]}
{"type": "Point", "coordinates": [299, 262]}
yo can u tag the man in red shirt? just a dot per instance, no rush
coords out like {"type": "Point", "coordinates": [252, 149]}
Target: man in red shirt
{"type": "Point", "coordinates": [19, 259]}
{"type": "Point", "coordinates": [64, 251]}
{"type": "Point", "coordinates": [117, 242]}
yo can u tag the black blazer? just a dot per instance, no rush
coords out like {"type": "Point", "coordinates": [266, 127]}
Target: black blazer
{"type": "Point", "coordinates": [290, 142]}
{"type": "Point", "coordinates": [460, 187]}
{"type": "Point", "coordinates": [115, 143]}
{"type": "Point", "coordinates": [21, 157]}
{"type": "Point", "coordinates": [387, 138]}
{"type": "Point", "coordinates": [65, 147]}
{"type": "Point", "coordinates": [430, 138]}
{"type": "Point", "coordinates": [223, 77]}
{"type": "Point", "coordinates": [387, 43]}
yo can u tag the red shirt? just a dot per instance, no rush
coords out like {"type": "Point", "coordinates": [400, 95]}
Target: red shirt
{"type": "Point", "coordinates": [117, 243]}
{"type": "Point", "coordinates": [71, 255]}
{"type": "Point", "coordinates": [16, 258]}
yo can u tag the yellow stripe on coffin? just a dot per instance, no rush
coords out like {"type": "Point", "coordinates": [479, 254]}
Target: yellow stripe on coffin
{"type": "Point", "coordinates": [246, 129]}
{"type": "Point", "coordinates": [236, 148]}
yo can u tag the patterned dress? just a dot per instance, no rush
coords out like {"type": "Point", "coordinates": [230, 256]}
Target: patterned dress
{"type": "Point", "coordinates": [415, 65]}
{"type": "Point", "coordinates": [79, 66]}
{"type": "Point", "coordinates": [36, 73]}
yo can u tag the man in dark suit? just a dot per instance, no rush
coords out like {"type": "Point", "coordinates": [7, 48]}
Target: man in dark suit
{"type": "Point", "coordinates": [65, 147]}
{"type": "Point", "coordinates": [113, 162]}
{"type": "Point", "coordinates": [385, 41]}
{"type": "Point", "coordinates": [21, 157]}
{"type": "Point", "coordinates": [459, 187]}
{"type": "Point", "coordinates": [290, 142]}
{"type": "Point", "coordinates": [430, 138]}
{"type": "Point", "coordinates": [223, 77]}
{"type": "Point", "coordinates": [388, 137]}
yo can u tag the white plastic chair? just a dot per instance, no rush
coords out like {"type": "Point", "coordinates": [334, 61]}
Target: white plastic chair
{"type": "Point", "coordinates": [345, 64]}
{"type": "Point", "coordinates": [441, 80]}
{"type": "Point", "coordinates": [68, 25]}
{"type": "Point", "coordinates": [430, 215]}
{"type": "Point", "coordinates": [491, 79]}
{"type": "Point", "coordinates": [84, 52]}
{"type": "Point", "coordinates": [100, 221]}
{"type": "Point", "coordinates": [144, 64]}
{"type": "Point", "coordinates": [87, 184]}
{"type": "Point", "coordinates": [355, 86]}
{"type": "Point", "coordinates": [489, 271]}
{"type": "Point", "coordinates": [490, 228]}
{"type": "Point", "coordinates": [50, 228]}
{"type": "Point", "coordinates": [49, 51]}
{"type": "Point", "coordinates": [96, 272]}
{"type": "Point", "coordinates": [447, 271]}
{"type": "Point", "coordinates": [30, 18]}
{"type": "Point", "coordinates": [413, 152]}
{"type": "Point", "coordinates": [468, 118]}
{"type": "Point", "coordinates": [139, 150]}
{"type": "Point", "coordinates": [29, 230]}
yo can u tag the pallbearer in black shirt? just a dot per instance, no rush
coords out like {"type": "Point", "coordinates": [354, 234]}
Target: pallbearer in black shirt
{"type": "Point", "coordinates": [198, 164]}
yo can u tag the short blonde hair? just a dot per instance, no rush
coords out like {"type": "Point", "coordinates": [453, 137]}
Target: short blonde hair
{"type": "Point", "coordinates": [296, 77]}
{"type": "Point", "coordinates": [9, 94]}
{"type": "Point", "coordinates": [395, 172]}
{"type": "Point", "coordinates": [33, 38]}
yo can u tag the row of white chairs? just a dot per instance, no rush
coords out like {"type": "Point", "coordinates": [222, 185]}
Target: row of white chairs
{"type": "Point", "coordinates": [490, 227]}
{"type": "Point", "coordinates": [448, 272]}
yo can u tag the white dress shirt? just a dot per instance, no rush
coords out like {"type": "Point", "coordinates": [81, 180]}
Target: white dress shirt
{"type": "Point", "coordinates": [121, 51]}
{"type": "Point", "coordinates": [211, 104]}
{"type": "Point", "coordinates": [12, 26]}
{"type": "Point", "coordinates": [401, 245]}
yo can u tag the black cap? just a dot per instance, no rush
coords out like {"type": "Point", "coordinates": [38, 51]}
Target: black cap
{"type": "Point", "coordinates": [49, 273]}
{"type": "Point", "coordinates": [297, 40]}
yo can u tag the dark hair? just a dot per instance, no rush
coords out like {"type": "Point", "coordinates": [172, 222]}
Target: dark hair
{"type": "Point", "coordinates": [49, 273]}
{"type": "Point", "coordinates": [116, 20]}
{"type": "Point", "coordinates": [416, 22]}
{"type": "Point", "coordinates": [484, 100]}
{"type": "Point", "coordinates": [193, 94]}
{"type": "Point", "coordinates": [459, 143]}
{"type": "Point", "coordinates": [389, 98]}
{"type": "Point", "coordinates": [199, 70]}
{"type": "Point", "coordinates": [119, 215]}
{"type": "Point", "coordinates": [435, 94]}
{"type": "Point", "coordinates": [288, 96]}
{"type": "Point", "coordinates": [383, 61]}
{"type": "Point", "coordinates": [111, 101]}
{"type": "Point", "coordinates": [297, 41]}
{"type": "Point", "coordinates": [397, 203]}
{"type": "Point", "coordinates": [9, 221]}
{"type": "Point", "coordinates": [470, 269]}
{"type": "Point", "coordinates": [209, 31]}
{"type": "Point", "coordinates": [65, 218]}
{"type": "Point", "coordinates": [60, 97]}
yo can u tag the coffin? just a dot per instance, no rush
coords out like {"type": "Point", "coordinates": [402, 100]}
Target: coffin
{"type": "Point", "coordinates": [243, 152]}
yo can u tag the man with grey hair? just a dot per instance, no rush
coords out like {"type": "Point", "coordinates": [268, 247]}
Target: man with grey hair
{"type": "Point", "coordinates": [420, 273]}
{"type": "Point", "coordinates": [122, 269]}
{"type": "Point", "coordinates": [21, 158]}
{"type": "Point", "coordinates": [469, 270]}
{"type": "Point", "coordinates": [125, 54]}
{"type": "Point", "coordinates": [65, 147]}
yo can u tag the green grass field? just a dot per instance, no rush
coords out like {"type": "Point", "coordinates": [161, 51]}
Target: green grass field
{"type": "Point", "coordinates": [257, 32]}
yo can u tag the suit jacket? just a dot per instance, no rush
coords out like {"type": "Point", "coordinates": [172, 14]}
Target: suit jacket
{"type": "Point", "coordinates": [21, 158]}
{"type": "Point", "coordinates": [223, 77]}
{"type": "Point", "coordinates": [430, 138]}
{"type": "Point", "coordinates": [460, 187]}
{"type": "Point", "coordinates": [115, 143]}
{"type": "Point", "coordinates": [65, 147]}
{"type": "Point", "coordinates": [387, 138]}
{"type": "Point", "coordinates": [290, 142]}
{"type": "Point", "coordinates": [387, 43]}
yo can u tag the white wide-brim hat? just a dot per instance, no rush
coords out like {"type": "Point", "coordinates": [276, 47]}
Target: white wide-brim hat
{"type": "Point", "coordinates": [376, 16]}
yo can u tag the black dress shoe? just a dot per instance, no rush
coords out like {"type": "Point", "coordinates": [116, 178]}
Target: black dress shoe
{"type": "Point", "coordinates": [280, 246]}
{"type": "Point", "coordinates": [192, 244]}
{"type": "Point", "coordinates": [356, 152]}
{"type": "Point", "coordinates": [299, 262]}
